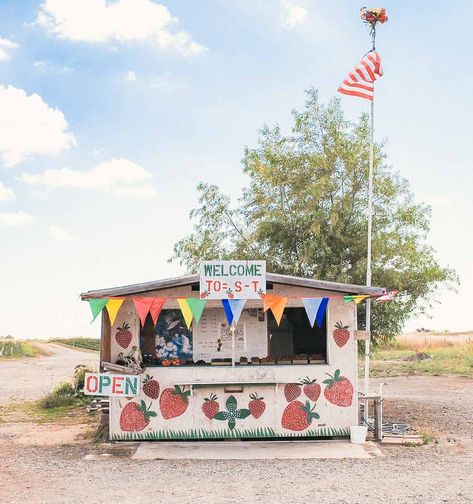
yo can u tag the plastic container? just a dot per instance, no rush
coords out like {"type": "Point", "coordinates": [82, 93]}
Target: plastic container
{"type": "Point", "coordinates": [358, 434]}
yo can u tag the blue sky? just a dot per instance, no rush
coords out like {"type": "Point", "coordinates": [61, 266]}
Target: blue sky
{"type": "Point", "coordinates": [113, 112]}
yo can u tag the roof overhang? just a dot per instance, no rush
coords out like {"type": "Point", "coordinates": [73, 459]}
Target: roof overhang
{"type": "Point", "coordinates": [143, 288]}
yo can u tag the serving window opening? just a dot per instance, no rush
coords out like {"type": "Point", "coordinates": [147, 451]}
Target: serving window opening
{"type": "Point", "coordinates": [258, 340]}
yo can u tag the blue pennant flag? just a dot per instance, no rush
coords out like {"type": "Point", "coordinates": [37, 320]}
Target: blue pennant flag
{"type": "Point", "coordinates": [315, 309]}
{"type": "Point", "coordinates": [228, 311]}
{"type": "Point", "coordinates": [236, 307]}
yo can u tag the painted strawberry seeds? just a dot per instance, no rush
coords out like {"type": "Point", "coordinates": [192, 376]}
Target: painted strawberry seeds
{"type": "Point", "coordinates": [174, 402]}
{"type": "Point", "coordinates": [256, 405]}
{"type": "Point", "coordinates": [210, 406]}
{"type": "Point", "coordinates": [123, 336]}
{"type": "Point", "coordinates": [135, 417]}
{"type": "Point", "coordinates": [292, 391]}
{"type": "Point", "coordinates": [311, 389]}
{"type": "Point", "coordinates": [150, 387]}
{"type": "Point", "coordinates": [232, 414]}
{"type": "Point", "coordinates": [341, 334]}
{"type": "Point", "coordinates": [338, 390]}
{"type": "Point", "coordinates": [298, 416]}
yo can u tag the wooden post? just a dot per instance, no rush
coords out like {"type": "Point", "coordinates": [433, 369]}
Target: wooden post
{"type": "Point", "coordinates": [378, 419]}
{"type": "Point", "coordinates": [105, 343]}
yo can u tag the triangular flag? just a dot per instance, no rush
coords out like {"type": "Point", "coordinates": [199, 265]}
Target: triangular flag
{"type": "Point", "coordinates": [155, 308]}
{"type": "Point", "coordinates": [96, 306]}
{"type": "Point", "coordinates": [358, 299]}
{"type": "Point", "coordinates": [186, 311]}
{"type": "Point", "coordinates": [236, 306]}
{"type": "Point", "coordinates": [113, 306]}
{"type": "Point", "coordinates": [142, 307]}
{"type": "Point", "coordinates": [311, 308]}
{"type": "Point", "coordinates": [197, 306]}
{"type": "Point", "coordinates": [321, 312]}
{"type": "Point", "coordinates": [387, 296]}
{"type": "Point", "coordinates": [228, 311]}
{"type": "Point", "coordinates": [276, 304]}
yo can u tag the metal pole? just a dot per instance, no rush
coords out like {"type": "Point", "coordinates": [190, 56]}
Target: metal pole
{"type": "Point", "coordinates": [368, 258]}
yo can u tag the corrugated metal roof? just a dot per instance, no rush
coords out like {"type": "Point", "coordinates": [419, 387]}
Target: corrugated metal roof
{"type": "Point", "coordinates": [167, 283]}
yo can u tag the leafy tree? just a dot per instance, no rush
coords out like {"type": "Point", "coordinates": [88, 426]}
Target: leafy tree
{"type": "Point", "coordinates": [305, 212]}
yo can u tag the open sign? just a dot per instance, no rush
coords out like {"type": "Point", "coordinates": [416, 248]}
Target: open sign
{"type": "Point", "coordinates": [105, 384]}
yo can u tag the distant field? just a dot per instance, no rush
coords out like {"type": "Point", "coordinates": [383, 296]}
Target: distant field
{"type": "Point", "coordinates": [10, 348]}
{"type": "Point", "coordinates": [84, 343]}
{"type": "Point", "coordinates": [427, 354]}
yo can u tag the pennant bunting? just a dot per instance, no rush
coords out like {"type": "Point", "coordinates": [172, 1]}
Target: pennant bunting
{"type": "Point", "coordinates": [113, 306]}
{"type": "Point", "coordinates": [186, 311]}
{"type": "Point", "coordinates": [96, 306]}
{"type": "Point", "coordinates": [387, 296]}
{"type": "Point", "coordinates": [356, 299]}
{"type": "Point", "coordinates": [228, 311]}
{"type": "Point", "coordinates": [196, 306]}
{"type": "Point", "coordinates": [142, 307]}
{"type": "Point", "coordinates": [321, 311]}
{"type": "Point", "coordinates": [236, 306]}
{"type": "Point", "coordinates": [155, 308]}
{"type": "Point", "coordinates": [276, 304]}
{"type": "Point", "coordinates": [315, 309]}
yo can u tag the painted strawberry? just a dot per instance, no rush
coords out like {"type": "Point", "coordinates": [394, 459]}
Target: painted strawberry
{"type": "Point", "coordinates": [256, 405]}
{"type": "Point", "coordinates": [339, 390]}
{"type": "Point", "coordinates": [174, 402]}
{"type": "Point", "coordinates": [341, 334]}
{"type": "Point", "coordinates": [204, 294]}
{"type": "Point", "coordinates": [230, 294]}
{"type": "Point", "coordinates": [311, 389]}
{"type": "Point", "coordinates": [292, 391]}
{"type": "Point", "coordinates": [150, 387]}
{"type": "Point", "coordinates": [210, 406]}
{"type": "Point", "coordinates": [135, 417]}
{"type": "Point", "coordinates": [297, 416]}
{"type": "Point", "coordinates": [123, 336]}
{"type": "Point", "coordinates": [261, 294]}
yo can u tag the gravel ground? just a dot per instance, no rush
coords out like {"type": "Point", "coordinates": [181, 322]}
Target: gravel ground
{"type": "Point", "coordinates": [440, 472]}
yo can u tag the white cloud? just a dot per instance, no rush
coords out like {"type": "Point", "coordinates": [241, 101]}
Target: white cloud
{"type": "Point", "coordinates": [28, 127]}
{"type": "Point", "coordinates": [130, 76]}
{"type": "Point", "coordinates": [117, 176]}
{"type": "Point", "coordinates": [293, 13]}
{"type": "Point", "coordinates": [15, 219]}
{"type": "Point", "coordinates": [60, 234]}
{"type": "Point", "coordinates": [6, 194]}
{"type": "Point", "coordinates": [5, 46]}
{"type": "Point", "coordinates": [119, 21]}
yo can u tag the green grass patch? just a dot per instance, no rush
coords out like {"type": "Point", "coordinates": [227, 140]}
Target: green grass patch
{"type": "Point", "coordinates": [92, 344]}
{"type": "Point", "coordinates": [13, 349]}
{"type": "Point", "coordinates": [397, 360]}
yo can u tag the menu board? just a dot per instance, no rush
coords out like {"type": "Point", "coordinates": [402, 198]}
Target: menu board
{"type": "Point", "coordinates": [213, 339]}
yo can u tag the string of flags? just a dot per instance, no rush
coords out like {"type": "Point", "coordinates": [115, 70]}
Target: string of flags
{"type": "Point", "coordinates": [192, 308]}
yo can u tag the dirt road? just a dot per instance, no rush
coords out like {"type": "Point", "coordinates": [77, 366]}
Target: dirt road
{"type": "Point", "coordinates": [437, 473]}
{"type": "Point", "coordinates": [29, 379]}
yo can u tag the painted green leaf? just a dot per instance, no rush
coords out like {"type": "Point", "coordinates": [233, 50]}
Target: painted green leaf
{"type": "Point", "coordinates": [243, 413]}
{"type": "Point", "coordinates": [231, 402]}
{"type": "Point", "coordinates": [221, 415]}
{"type": "Point", "coordinates": [231, 423]}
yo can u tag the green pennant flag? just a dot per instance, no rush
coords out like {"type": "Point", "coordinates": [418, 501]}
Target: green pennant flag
{"type": "Point", "coordinates": [96, 306]}
{"type": "Point", "coordinates": [197, 306]}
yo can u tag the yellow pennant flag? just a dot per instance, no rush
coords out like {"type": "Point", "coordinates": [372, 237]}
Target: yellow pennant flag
{"type": "Point", "coordinates": [359, 299]}
{"type": "Point", "coordinates": [186, 311]}
{"type": "Point", "coordinates": [113, 306]}
{"type": "Point", "coordinates": [276, 304]}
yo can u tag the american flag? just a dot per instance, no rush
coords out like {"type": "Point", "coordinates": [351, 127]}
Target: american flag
{"type": "Point", "coordinates": [360, 82]}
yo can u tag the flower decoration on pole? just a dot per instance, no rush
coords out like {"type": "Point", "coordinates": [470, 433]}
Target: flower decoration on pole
{"type": "Point", "coordinates": [373, 16]}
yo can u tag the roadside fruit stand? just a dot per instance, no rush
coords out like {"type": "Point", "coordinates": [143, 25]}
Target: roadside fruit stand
{"type": "Point", "coordinates": [260, 355]}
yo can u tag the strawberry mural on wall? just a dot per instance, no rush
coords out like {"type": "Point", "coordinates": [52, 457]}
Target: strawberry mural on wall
{"type": "Point", "coordinates": [150, 387]}
{"type": "Point", "coordinates": [210, 406]}
{"type": "Point", "coordinates": [256, 405]}
{"type": "Point", "coordinates": [135, 417]}
{"type": "Point", "coordinates": [232, 414]}
{"type": "Point", "coordinates": [311, 389]}
{"type": "Point", "coordinates": [123, 335]}
{"type": "Point", "coordinates": [298, 416]}
{"type": "Point", "coordinates": [338, 390]}
{"type": "Point", "coordinates": [341, 334]}
{"type": "Point", "coordinates": [292, 391]}
{"type": "Point", "coordinates": [174, 402]}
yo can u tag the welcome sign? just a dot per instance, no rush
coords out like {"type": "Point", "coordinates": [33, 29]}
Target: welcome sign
{"type": "Point", "coordinates": [232, 279]}
{"type": "Point", "coordinates": [104, 384]}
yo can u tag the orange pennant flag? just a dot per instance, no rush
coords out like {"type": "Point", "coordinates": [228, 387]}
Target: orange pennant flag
{"type": "Point", "coordinates": [276, 304]}
{"type": "Point", "coordinates": [156, 308]}
{"type": "Point", "coordinates": [143, 306]}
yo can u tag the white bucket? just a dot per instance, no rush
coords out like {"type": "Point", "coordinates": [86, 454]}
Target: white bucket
{"type": "Point", "coordinates": [358, 434]}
